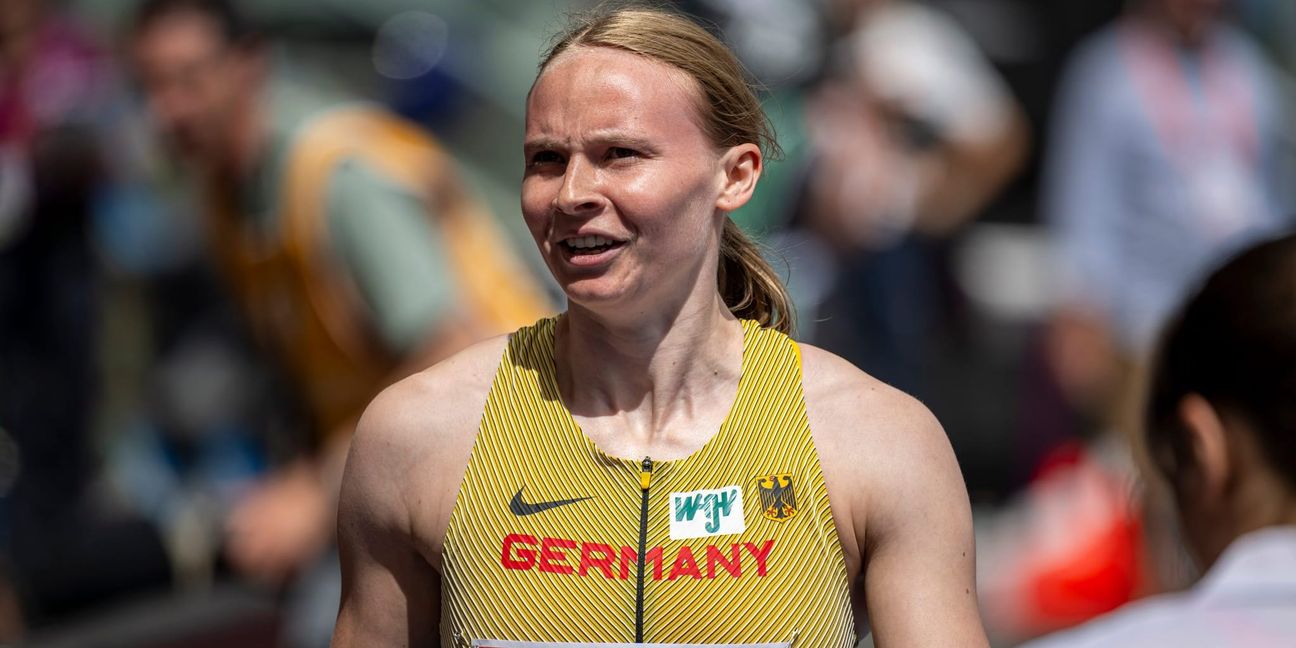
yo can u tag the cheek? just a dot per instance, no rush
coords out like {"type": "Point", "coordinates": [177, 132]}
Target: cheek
{"type": "Point", "coordinates": [682, 189]}
{"type": "Point", "coordinates": [224, 90]}
{"type": "Point", "coordinates": [683, 213]}
{"type": "Point", "coordinates": [536, 202]}
{"type": "Point", "coordinates": [217, 93]}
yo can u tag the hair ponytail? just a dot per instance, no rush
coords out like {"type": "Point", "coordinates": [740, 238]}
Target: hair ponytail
{"type": "Point", "coordinates": [748, 284]}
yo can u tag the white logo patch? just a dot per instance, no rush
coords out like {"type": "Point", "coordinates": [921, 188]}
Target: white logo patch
{"type": "Point", "coordinates": [706, 513]}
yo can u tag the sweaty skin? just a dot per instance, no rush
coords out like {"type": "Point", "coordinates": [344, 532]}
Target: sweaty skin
{"type": "Point", "coordinates": [656, 356]}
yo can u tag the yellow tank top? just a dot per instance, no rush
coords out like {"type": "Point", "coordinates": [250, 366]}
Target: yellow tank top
{"type": "Point", "coordinates": [738, 538]}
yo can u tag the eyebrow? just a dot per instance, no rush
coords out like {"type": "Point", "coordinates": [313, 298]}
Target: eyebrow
{"type": "Point", "coordinates": [615, 137]}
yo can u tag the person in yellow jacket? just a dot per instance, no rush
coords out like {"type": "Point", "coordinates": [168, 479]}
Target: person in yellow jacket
{"type": "Point", "coordinates": [661, 463]}
{"type": "Point", "coordinates": [343, 232]}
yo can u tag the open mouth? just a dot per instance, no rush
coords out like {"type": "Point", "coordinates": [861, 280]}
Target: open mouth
{"type": "Point", "coordinates": [588, 245]}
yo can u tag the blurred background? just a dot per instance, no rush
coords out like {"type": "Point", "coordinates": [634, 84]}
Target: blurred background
{"type": "Point", "coordinates": [992, 204]}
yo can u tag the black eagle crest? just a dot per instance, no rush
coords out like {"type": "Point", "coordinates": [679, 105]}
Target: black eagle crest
{"type": "Point", "coordinates": [778, 499]}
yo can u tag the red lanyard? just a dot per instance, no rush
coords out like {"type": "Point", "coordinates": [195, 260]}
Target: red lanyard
{"type": "Point", "coordinates": [1224, 116]}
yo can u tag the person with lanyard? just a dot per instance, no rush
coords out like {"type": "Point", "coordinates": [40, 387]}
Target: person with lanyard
{"type": "Point", "coordinates": [1219, 422]}
{"type": "Point", "coordinates": [661, 463]}
{"type": "Point", "coordinates": [1169, 151]}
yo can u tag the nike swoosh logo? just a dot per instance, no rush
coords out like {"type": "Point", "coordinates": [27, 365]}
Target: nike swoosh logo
{"type": "Point", "coordinates": [520, 508]}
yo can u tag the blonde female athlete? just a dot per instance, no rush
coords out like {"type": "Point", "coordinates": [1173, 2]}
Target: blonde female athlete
{"type": "Point", "coordinates": [661, 463]}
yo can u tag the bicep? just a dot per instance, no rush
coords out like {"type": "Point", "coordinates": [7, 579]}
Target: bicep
{"type": "Point", "coordinates": [390, 596]}
{"type": "Point", "coordinates": [919, 554]}
{"type": "Point", "coordinates": [390, 593]}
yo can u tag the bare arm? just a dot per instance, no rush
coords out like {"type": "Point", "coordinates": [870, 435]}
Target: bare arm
{"type": "Point", "coordinates": [962, 176]}
{"type": "Point", "coordinates": [919, 557]}
{"type": "Point", "coordinates": [402, 476]}
{"type": "Point", "coordinates": [900, 506]}
{"type": "Point", "coordinates": [289, 519]}
{"type": "Point", "coordinates": [390, 594]}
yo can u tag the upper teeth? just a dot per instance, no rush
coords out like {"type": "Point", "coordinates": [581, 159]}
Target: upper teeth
{"type": "Point", "coordinates": [588, 241]}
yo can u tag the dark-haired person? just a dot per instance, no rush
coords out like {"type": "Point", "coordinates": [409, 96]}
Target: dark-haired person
{"type": "Point", "coordinates": [342, 230]}
{"type": "Point", "coordinates": [1221, 429]}
{"type": "Point", "coordinates": [661, 463]}
{"type": "Point", "coordinates": [1171, 150]}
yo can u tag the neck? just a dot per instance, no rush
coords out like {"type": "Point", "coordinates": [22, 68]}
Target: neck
{"type": "Point", "coordinates": [1262, 500]}
{"type": "Point", "coordinates": [1264, 503]}
{"type": "Point", "coordinates": [1159, 21]}
{"type": "Point", "coordinates": [649, 369]}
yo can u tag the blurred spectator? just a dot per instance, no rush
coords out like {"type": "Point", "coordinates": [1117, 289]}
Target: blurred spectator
{"type": "Point", "coordinates": [913, 132]}
{"type": "Point", "coordinates": [917, 133]}
{"type": "Point", "coordinates": [55, 529]}
{"type": "Point", "coordinates": [1219, 424]}
{"type": "Point", "coordinates": [355, 251]}
{"type": "Point", "coordinates": [1167, 154]}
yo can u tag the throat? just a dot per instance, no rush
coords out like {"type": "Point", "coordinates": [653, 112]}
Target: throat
{"type": "Point", "coordinates": [623, 437]}
{"type": "Point", "coordinates": [638, 394]}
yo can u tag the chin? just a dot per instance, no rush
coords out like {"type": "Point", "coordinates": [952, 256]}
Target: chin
{"type": "Point", "coordinates": [591, 297]}
{"type": "Point", "coordinates": [596, 293]}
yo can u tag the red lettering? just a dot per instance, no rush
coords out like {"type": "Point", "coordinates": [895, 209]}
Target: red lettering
{"type": "Point", "coordinates": [684, 565]}
{"type": "Point", "coordinates": [587, 560]}
{"type": "Point", "coordinates": [732, 565]}
{"type": "Point", "coordinates": [629, 556]}
{"type": "Point", "coordinates": [518, 558]}
{"type": "Point", "coordinates": [523, 552]}
{"type": "Point", "coordinates": [760, 554]}
{"type": "Point", "coordinates": [655, 557]}
{"type": "Point", "coordinates": [552, 560]}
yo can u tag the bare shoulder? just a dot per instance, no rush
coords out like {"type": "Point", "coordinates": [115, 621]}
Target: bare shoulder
{"type": "Point", "coordinates": [850, 407]}
{"type": "Point", "coordinates": [898, 503]}
{"type": "Point", "coordinates": [430, 409]}
{"type": "Point", "coordinates": [412, 444]}
{"type": "Point", "coordinates": [880, 448]}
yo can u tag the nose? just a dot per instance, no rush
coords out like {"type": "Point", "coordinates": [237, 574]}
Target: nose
{"type": "Point", "coordinates": [579, 192]}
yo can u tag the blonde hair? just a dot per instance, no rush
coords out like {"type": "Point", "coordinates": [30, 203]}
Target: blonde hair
{"type": "Point", "coordinates": [730, 115]}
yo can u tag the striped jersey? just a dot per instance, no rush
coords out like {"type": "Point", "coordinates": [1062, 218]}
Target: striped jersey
{"type": "Point", "coordinates": [553, 540]}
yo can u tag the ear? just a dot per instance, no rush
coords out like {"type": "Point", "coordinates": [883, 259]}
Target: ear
{"type": "Point", "coordinates": [741, 166]}
{"type": "Point", "coordinates": [1209, 446]}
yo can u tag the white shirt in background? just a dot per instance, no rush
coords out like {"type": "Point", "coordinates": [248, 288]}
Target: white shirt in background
{"type": "Point", "coordinates": [1247, 600]}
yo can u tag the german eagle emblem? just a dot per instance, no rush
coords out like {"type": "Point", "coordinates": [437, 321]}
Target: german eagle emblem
{"type": "Point", "coordinates": [778, 500]}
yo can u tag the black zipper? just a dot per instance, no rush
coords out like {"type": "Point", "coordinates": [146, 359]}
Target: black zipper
{"type": "Point", "coordinates": [645, 479]}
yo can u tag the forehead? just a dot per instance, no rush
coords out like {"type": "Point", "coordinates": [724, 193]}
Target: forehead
{"type": "Point", "coordinates": [1194, 5]}
{"type": "Point", "coordinates": [178, 33]}
{"type": "Point", "coordinates": [592, 88]}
